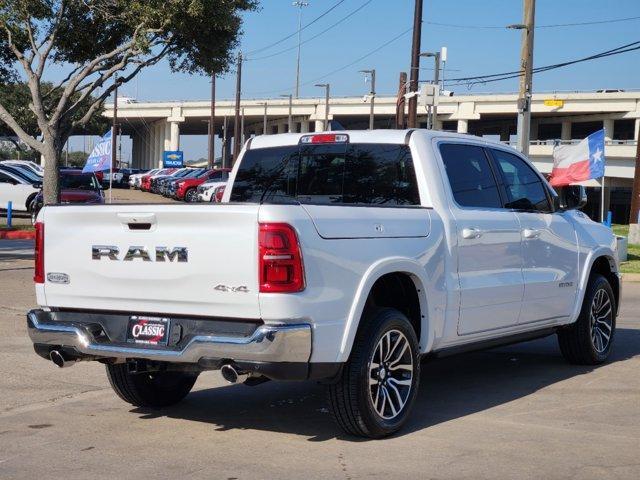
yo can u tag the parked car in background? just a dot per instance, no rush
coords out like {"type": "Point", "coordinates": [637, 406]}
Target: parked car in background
{"type": "Point", "coordinates": [17, 190]}
{"type": "Point", "coordinates": [75, 187]}
{"type": "Point", "coordinates": [187, 189]}
{"type": "Point", "coordinates": [27, 164]}
{"type": "Point", "coordinates": [207, 189]}
{"type": "Point", "coordinates": [126, 175]}
{"type": "Point", "coordinates": [156, 180]}
{"type": "Point", "coordinates": [22, 172]}
{"type": "Point", "coordinates": [135, 179]}
{"type": "Point", "coordinates": [145, 181]}
{"type": "Point", "coordinates": [171, 185]}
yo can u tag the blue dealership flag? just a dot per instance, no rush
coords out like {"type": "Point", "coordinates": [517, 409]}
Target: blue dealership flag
{"type": "Point", "coordinates": [100, 158]}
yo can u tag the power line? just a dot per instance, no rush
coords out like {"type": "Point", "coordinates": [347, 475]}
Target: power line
{"type": "Point", "coordinates": [496, 77]}
{"type": "Point", "coordinates": [556, 25]}
{"type": "Point", "coordinates": [316, 35]}
{"type": "Point", "coordinates": [326, 12]}
{"type": "Point", "coordinates": [344, 67]}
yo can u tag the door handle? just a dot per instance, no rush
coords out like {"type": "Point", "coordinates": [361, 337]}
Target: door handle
{"type": "Point", "coordinates": [530, 233]}
{"type": "Point", "coordinates": [471, 232]}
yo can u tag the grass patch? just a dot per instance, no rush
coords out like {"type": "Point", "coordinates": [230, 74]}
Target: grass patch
{"type": "Point", "coordinates": [17, 227]}
{"type": "Point", "coordinates": [632, 265]}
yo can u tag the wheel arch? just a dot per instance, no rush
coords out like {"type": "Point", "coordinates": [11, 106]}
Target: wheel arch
{"type": "Point", "coordinates": [602, 261]}
{"type": "Point", "coordinates": [398, 269]}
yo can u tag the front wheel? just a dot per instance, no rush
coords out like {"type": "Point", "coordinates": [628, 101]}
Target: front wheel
{"type": "Point", "coordinates": [378, 385]}
{"type": "Point", "coordinates": [150, 389]}
{"type": "Point", "coordinates": [191, 196]}
{"type": "Point", "coordinates": [588, 341]}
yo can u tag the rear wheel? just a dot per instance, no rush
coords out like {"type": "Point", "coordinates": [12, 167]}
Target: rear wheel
{"type": "Point", "coordinates": [150, 389]}
{"type": "Point", "coordinates": [378, 385]}
{"type": "Point", "coordinates": [589, 340]}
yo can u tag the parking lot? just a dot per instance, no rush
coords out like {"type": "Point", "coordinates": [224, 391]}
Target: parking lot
{"type": "Point", "coordinates": [514, 412]}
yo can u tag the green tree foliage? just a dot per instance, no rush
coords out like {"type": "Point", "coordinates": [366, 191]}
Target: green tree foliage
{"type": "Point", "coordinates": [93, 40]}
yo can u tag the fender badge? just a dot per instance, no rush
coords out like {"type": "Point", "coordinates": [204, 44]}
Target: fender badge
{"type": "Point", "coordinates": [55, 277]}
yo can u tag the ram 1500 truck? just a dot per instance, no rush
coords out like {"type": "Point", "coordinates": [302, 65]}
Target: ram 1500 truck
{"type": "Point", "coordinates": [345, 257]}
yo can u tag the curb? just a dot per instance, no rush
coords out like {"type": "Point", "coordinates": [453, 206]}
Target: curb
{"type": "Point", "coordinates": [631, 277]}
{"type": "Point", "coordinates": [17, 234]}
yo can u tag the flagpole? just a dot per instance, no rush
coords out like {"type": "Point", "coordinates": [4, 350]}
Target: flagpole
{"type": "Point", "coordinates": [602, 200]}
{"type": "Point", "coordinates": [114, 137]}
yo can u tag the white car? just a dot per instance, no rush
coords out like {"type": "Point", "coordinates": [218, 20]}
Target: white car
{"type": "Point", "coordinates": [17, 190]}
{"type": "Point", "coordinates": [134, 180]}
{"type": "Point", "coordinates": [207, 190]}
{"type": "Point", "coordinates": [27, 164]}
{"type": "Point", "coordinates": [345, 257]}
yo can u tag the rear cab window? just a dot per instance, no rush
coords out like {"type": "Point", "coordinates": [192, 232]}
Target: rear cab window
{"type": "Point", "coordinates": [328, 174]}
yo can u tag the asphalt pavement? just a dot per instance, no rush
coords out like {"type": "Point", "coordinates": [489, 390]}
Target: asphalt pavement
{"type": "Point", "coordinates": [518, 412]}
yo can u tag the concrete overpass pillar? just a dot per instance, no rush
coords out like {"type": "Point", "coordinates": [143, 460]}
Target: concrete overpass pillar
{"type": "Point", "coordinates": [160, 133]}
{"type": "Point", "coordinates": [566, 130]}
{"type": "Point", "coordinates": [282, 128]}
{"type": "Point", "coordinates": [152, 146]}
{"type": "Point", "coordinates": [463, 126]}
{"type": "Point", "coordinates": [304, 126]}
{"type": "Point", "coordinates": [635, 132]}
{"type": "Point", "coordinates": [167, 136]}
{"type": "Point", "coordinates": [607, 124]}
{"type": "Point", "coordinates": [319, 125]}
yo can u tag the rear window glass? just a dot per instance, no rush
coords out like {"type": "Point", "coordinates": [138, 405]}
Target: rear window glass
{"type": "Point", "coordinates": [352, 174]}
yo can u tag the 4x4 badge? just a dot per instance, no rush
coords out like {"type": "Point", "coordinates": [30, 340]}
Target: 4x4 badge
{"type": "Point", "coordinates": [225, 288]}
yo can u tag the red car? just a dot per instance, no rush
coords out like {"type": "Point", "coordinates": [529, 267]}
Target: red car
{"type": "Point", "coordinates": [187, 189]}
{"type": "Point", "coordinates": [145, 181]}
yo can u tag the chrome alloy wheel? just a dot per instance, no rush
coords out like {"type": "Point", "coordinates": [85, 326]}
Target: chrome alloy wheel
{"type": "Point", "coordinates": [601, 317]}
{"type": "Point", "coordinates": [391, 374]}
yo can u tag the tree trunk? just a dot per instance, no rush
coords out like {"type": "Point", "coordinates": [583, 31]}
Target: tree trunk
{"type": "Point", "coordinates": [51, 190]}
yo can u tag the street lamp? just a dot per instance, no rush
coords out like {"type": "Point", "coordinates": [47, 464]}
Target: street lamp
{"type": "Point", "coordinates": [436, 82]}
{"type": "Point", "coordinates": [372, 74]}
{"type": "Point", "coordinates": [326, 87]}
{"type": "Point", "coordinates": [290, 97]}
{"type": "Point", "coordinates": [299, 6]}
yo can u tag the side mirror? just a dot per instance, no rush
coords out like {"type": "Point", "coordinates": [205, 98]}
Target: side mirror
{"type": "Point", "coordinates": [572, 197]}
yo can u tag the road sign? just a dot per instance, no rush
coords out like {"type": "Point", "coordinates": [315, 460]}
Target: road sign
{"type": "Point", "coordinates": [173, 159]}
{"type": "Point", "coordinates": [554, 103]}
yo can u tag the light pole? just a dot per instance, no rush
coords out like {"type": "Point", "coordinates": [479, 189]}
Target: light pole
{"type": "Point", "coordinates": [326, 87]}
{"type": "Point", "coordinates": [436, 82]}
{"type": "Point", "coordinates": [415, 64]}
{"type": "Point", "coordinates": [299, 6]}
{"type": "Point", "coordinates": [526, 74]}
{"type": "Point", "coordinates": [290, 97]}
{"type": "Point", "coordinates": [264, 119]}
{"type": "Point", "coordinates": [212, 117]}
{"type": "Point", "coordinates": [237, 145]}
{"type": "Point", "coordinates": [372, 95]}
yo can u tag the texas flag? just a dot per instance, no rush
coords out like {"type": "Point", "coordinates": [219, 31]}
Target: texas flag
{"type": "Point", "coordinates": [577, 163]}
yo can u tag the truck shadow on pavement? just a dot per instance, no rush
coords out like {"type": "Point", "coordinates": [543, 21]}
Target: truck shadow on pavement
{"type": "Point", "coordinates": [450, 388]}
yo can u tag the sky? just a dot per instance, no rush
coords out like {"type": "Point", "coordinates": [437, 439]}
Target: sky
{"type": "Point", "coordinates": [478, 44]}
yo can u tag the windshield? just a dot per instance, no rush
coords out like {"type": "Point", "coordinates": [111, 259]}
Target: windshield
{"type": "Point", "coordinates": [23, 173]}
{"type": "Point", "coordinates": [84, 181]}
{"type": "Point", "coordinates": [355, 174]}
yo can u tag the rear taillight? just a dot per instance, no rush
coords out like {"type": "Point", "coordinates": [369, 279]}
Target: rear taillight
{"type": "Point", "coordinates": [219, 193]}
{"type": "Point", "coordinates": [38, 274]}
{"type": "Point", "coordinates": [281, 269]}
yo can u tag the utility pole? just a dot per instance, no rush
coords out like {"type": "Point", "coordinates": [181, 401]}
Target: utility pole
{"type": "Point", "coordinates": [526, 76]}
{"type": "Point", "coordinates": [401, 101]}
{"type": "Point", "coordinates": [372, 95]}
{"type": "Point", "coordinates": [264, 119]}
{"type": "Point", "coordinates": [212, 119]}
{"type": "Point", "coordinates": [225, 145]}
{"type": "Point", "coordinates": [326, 87]}
{"type": "Point", "coordinates": [415, 64]}
{"type": "Point", "coordinates": [635, 193]}
{"type": "Point", "coordinates": [290, 121]}
{"type": "Point", "coordinates": [300, 6]}
{"type": "Point", "coordinates": [114, 135]}
{"type": "Point", "coordinates": [237, 145]}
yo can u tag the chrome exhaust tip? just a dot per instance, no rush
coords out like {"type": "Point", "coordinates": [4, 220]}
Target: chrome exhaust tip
{"type": "Point", "coordinates": [58, 358]}
{"type": "Point", "coordinates": [232, 375]}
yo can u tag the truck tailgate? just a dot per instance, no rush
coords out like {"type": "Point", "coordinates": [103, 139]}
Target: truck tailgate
{"type": "Point", "coordinates": [219, 277]}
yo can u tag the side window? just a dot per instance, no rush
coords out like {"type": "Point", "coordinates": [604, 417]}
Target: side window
{"type": "Point", "coordinates": [6, 179]}
{"type": "Point", "coordinates": [470, 176]}
{"type": "Point", "coordinates": [525, 190]}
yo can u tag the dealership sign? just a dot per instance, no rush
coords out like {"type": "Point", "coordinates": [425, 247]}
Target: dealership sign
{"type": "Point", "coordinates": [173, 159]}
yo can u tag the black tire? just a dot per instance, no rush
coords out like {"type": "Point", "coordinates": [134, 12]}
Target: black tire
{"type": "Point", "coordinates": [191, 196]}
{"type": "Point", "coordinates": [579, 343]}
{"type": "Point", "coordinates": [351, 396]}
{"type": "Point", "coordinates": [156, 389]}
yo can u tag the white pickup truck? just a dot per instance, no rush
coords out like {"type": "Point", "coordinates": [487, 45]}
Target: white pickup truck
{"type": "Point", "coordinates": [344, 257]}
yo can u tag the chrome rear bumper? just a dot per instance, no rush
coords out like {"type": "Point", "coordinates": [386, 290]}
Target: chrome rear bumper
{"type": "Point", "coordinates": [268, 343]}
